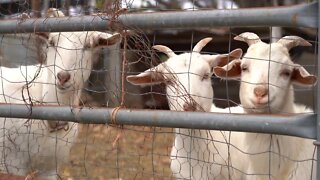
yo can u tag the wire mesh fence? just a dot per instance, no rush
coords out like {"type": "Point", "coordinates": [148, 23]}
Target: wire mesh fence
{"type": "Point", "coordinates": [88, 68]}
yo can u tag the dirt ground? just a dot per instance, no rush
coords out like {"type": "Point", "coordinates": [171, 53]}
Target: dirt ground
{"type": "Point", "coordinates": [105, 152]}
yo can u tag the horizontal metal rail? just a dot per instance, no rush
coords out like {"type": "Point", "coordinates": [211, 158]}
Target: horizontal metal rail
{"type": "Point", "coordinates": [303, 125]}
{"type": "Point", "coordinates": [304, 15]}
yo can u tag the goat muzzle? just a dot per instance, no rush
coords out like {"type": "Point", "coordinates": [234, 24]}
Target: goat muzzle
{"type": "Point", "coordinates": [260, 91]}
{"type": "Point", "coordinates": [189, 106]}
{"type": "Point", "coordinates": [63, 77]}
{"type": "Point", "coordinates": [58, 125]}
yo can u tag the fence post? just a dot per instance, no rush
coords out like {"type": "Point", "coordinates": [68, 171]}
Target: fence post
{"type": "Point", "coordinates": [318, 100]}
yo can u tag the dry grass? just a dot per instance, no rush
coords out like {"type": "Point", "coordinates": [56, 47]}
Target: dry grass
{"type": "Point", "coordinates": [106, 152]}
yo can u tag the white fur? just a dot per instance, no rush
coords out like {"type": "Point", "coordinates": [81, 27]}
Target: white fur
{"type": "Point", "coordinates": [29, 145]}
{"type": "Point", "coordinates": [188, 88]}
{"type": "Point", "coordinates": [270, 66]}
{"type": "Point", "coordinates": [229, 159]}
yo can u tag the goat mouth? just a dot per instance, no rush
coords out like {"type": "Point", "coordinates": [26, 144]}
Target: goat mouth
{"type": "Point", "coordinates": [261, 103]}
{"type": "Point", "coordinates": [63, 88]}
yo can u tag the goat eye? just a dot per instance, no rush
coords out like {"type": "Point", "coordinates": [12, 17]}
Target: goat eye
{"type": "Point", "coordinates": [168, 82]}
{"type": "Point", "coordinates": [51, 43]}
{"type": "Point", "coordinates": [244, 68]}
{"type": "Point", "coordinates": [204, 77]}
{"type": "Point", "coordinates": [86, 46]}
{"type": "Point", "coordinates": [212, 70]}
{"type": "Point", "coordinates": [285, 73]}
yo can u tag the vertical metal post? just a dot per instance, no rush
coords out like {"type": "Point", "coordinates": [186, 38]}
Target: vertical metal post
{"type": "Point", "coordinates": [36, 8]}
{"type": "Point", "coordinates": [45, 6]}
{"type": "Point", "coordinates": [276, 33]}
{"type": "Point", "coordinates": [318, 101]}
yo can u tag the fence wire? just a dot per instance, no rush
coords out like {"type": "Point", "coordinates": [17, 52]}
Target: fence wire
{"type": "Point", "coordinates": [87, 69]}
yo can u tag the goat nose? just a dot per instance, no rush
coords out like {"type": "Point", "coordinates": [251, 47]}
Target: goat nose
{"type": "Point", "coordinates": [260, 91]}
{"type": "Point", "coordinates": [189, 106]}
{"type": "Point", "coordinates": [63, 77]}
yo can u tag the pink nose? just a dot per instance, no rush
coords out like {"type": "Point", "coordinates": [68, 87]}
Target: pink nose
{"type": "Point", "coordinates": [63, 77]}
{"type": "Point", "coordinates": [260, 91]}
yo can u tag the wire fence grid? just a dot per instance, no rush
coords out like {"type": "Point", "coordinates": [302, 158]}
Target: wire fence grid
{"type": "Point", "coordinates": [68, 112]}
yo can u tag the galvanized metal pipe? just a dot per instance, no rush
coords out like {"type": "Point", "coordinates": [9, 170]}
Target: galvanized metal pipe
{"type": "Point", "coordinates": [304, 15]}
{"type": "Point", "coordinates": [303, 125]}
{"type": "Point", "coordinates": [317, 142]}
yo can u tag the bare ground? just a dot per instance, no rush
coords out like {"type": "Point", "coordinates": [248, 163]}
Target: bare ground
{"type": "Point", "coordinates": [105, 152]}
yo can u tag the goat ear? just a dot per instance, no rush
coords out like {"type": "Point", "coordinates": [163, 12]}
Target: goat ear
{"type": "Point", "coordinates": [301, 76]}
{"type": "Point", "coordinates": [104, 39]}
{"type": "Point", "coordinates": [293, 41]}
{"type": "Point", "coordinates": [149, 77]}
{"type": "Point", "coordinates": [223, 59]}
{"type": "Point", "coordinates": [248, 37]}
{"type": "Point", "coordinates": [231, 70]}
{"type": "Point", "coordinates": [236, 54]}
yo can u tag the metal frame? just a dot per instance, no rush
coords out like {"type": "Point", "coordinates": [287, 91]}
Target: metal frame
{"type": "Point", "coordinates": [299, 125]}
{"type": "Point", "coordinates": [317, 127]}
{"type": "Point", "coordinates": [304, 15]}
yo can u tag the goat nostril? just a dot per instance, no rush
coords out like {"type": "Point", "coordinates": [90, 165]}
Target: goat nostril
{"type": "Point", "coordinates": [63, 77]}
{"type": "Point", "coordinates": [260, 91]}
{"type": "Point", "coordinates": [59, 76]}
{"type": "Point", "coordinates": [189, 107]}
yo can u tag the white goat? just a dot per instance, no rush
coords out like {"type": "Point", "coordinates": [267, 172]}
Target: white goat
{"type": "Point", "coordinates": [30, 145]}
{"type": "Point", "coordinates": [267, 74]}
{"type": "Point", "coordinates": [188, 86]}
